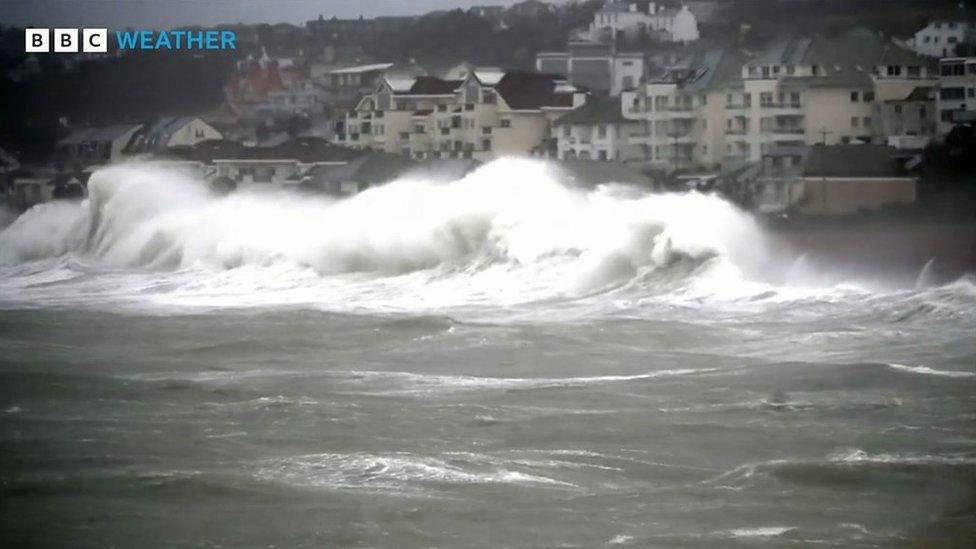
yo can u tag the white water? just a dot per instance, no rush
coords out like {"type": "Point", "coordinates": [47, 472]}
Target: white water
{"type": "Point", "coordinates": [510, 233]}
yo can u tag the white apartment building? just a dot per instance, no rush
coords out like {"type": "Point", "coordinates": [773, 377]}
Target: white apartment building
{"type": "Point", "coordinates": [597, 66]}
{"type": "Point", "coordinates": [631, 18]}
{"type": "Point", "coordinates": [489, 114]}
{"type": "Point", "coordinates": [956, 100]}
{"type": "Point", "coordinates": [940, 38]}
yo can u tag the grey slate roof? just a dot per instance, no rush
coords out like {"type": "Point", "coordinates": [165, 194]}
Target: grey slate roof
{"type": "Point", "coordinates": [98, 134]}
{"type": "Point", "coordinates": [596, 110]}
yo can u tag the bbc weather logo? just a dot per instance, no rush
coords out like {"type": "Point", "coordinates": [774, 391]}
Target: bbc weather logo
{"type": "Point", "coordinates": [96, 40]}
{"type": "Point", "coordinates": [66, 41]}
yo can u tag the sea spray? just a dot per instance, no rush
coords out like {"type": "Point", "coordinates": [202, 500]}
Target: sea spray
{"type": "Point", "coordinates": [512, 213]}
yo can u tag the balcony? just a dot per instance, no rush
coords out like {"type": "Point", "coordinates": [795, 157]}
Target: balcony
{"type": "Point", "coordinates": [736, 131]}
{"type": "Point", "coordinates": [783, 130]}
{"type": "Point", "coordinates": [738, 106]}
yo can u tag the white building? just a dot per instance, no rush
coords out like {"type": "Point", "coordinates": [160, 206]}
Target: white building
{"type": "Point", "coordinates": [956, 100]}
{"type": "Point", "coordinates": [940, 38]}
{"type": "Point", "coordinates": [182, 131]}
{"type": "Point", "coordinates": [631, 18]}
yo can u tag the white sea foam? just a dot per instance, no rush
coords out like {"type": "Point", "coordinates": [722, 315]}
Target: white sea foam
{"type": "Point", "coordinates": [390, 472]}
{"type": "Point", "coordinates": [925, 370]}
{"type": "Point", "coordinates": [761, 532]}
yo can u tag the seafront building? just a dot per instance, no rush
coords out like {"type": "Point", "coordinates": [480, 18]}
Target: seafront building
{"type": "Point", "coordinates": [488, 114]}
{"type": "Point", "coordinates": [956, 102]}
{"type": "Point", "coordinates": [594, 65]}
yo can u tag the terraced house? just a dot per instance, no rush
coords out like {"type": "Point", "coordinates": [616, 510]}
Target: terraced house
{"type": "Point", "coordinates": [488, 114]}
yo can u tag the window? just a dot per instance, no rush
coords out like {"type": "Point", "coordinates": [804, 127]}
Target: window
{"type": "Point", "coordinates": [795, 99]}
{"type": "Point", "coordinates": [952, 93]}
{"type": "Point", "coordinates": [765, 71]}
{"type": "Point", "coordinates": [868, 96]}
{"type": "Point", "coordinates": [602, 155]}
{"type": "Point", "coordinates": [894, 70]}
{"type": "Point", "coordinates": [790, 70]}
{"type": "Point", "coordinates": [914, 71]}
{"type": "Point", "coordinates": [854, 96]}
{"type": "Point", "coordinates": [486, 144]}
{"type": "Point", "coordinates": [601, 132]}
{"type": "Point", "coordinates": [952, 40]}
{"type": "Point", "coordinates": [927, 39]}
{"type": "Point", "coordinates": [488, 97]}
{"type": "Point", "coordinates": [971, 92]}
{"type": "Point", "coordinates": [854, 121]}
{"type": "Point", "coordinates": [845, 140]}
{"type": "Point", "coordinates": [897, 109]}
{"type": "Point", "coordinates": [866, 122]}
{"type": "Point", "coordinates": [567, 131]}
{"type": "Point", "coordinates": [506, 123]}
{"type": "Point", "coordinates": [922, 112]}
{"type": "Point", "coordinates": [766, 99]}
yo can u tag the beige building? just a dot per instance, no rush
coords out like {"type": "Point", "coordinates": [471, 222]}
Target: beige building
{"type": "Point", "coordinates": [723, 108]}
{"type": "Point", "coordinates": [488, 114]}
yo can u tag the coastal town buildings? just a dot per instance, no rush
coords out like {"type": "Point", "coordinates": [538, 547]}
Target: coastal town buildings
{"type": "Point", "coordinates": [489, 114]}
{"type": "Point", "coordinates": [97, 145]}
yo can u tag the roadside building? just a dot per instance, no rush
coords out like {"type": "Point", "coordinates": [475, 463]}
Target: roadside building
{"type": "Point", "coordinates": [833, 180]}
{"type": "Point", "coordinates": [941, 38]}
{"type": "Point", "coordinates": [594, 65]}
{"type": "Point", "coordinates": [635, 18]}
{"type": "Point", "coordinates": [956, 101]}
{"type": "Point", "coordinates": [490, 113]}
{"type": "Point", "coordinates": [672, 107]}
{"type": "Point", "coordinates": [96, 145]}
{"type": "Point", "coordinates": [597, 131]}
{"type": "Point", "coordinates": [909, 122]}
{"type": "Point", "coordinates": [182, 131]}
{"type": "Point", "coordinates": [345, 86]}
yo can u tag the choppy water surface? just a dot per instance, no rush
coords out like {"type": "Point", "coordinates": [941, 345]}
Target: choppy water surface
{"type": "Point", "coordinates": [498, 361]}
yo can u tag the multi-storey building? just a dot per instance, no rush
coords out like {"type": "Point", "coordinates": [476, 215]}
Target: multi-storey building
{"type": "Point", "coordinates": [940, 38]}
{"type": "Point", "coordinates": [956, 101]}
{"type": "Point", "coordinates": [488, 114]}
{"type": "Point", "coordinates": [633, 18]}
{"type": "Point", "coordinates": [909, 122]}
{"type": "Point", "coordinates": [673, 108]}
{"type": "Point", "coordinates": [597, 66]}
{"type": "Point", "coordinates": [727, 108]}
{"type": "Point", "coordinates": [598, 131]}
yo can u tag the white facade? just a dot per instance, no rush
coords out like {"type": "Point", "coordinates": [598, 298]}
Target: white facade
{"type": "Point", "coordinates": [623, 17]}
{"type": "Point", "coordinates": [939, 38]}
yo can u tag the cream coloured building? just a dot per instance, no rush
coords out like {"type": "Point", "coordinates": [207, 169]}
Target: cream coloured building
{"type": "Point", "coordinates": [490, 113]}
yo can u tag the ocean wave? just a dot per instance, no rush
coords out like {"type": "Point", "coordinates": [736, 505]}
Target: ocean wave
{"type": "Point", "coordinates": [925, 370]}
{"type": "Point", "coordinates": [395, 472]}
{"type": "Point", "coordinates": [408, 382]}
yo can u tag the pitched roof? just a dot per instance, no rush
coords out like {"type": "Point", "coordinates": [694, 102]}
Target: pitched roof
{"type": "Point", "coordinates": [99, 134]}
{"type": "Point", "coordinates": [596, 110]}
{"type": "Point", "coordinates": [852, 161]}
{"type": "Point", "coordinates": [431, 85]}
{"type": "Point", "coordinates": [523, 90]}
{"type": "Point", "coordinates": [302, 149]}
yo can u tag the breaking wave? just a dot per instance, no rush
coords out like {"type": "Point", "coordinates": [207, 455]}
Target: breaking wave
{"type": "Point", "coordinates": [506, 234]}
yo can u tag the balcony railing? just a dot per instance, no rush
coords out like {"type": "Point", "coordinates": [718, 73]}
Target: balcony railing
{"type": "Point", "coordinates": [785, 105]}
